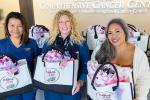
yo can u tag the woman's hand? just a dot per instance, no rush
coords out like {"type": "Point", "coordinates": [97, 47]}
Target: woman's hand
{"type": "Point", "coordinates": [78, 86]}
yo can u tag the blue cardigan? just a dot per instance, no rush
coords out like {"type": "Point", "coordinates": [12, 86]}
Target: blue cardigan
{"type": "Point", "coordinates": [83, 58]}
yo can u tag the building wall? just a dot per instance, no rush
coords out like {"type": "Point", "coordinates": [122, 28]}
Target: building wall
{"type": "Point", "coordinates": [46, 9]}
{"type": "Point", "coordinates": [7, 7]}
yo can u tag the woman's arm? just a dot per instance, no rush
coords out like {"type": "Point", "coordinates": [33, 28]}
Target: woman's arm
{"type": "Point", "coordinates": [83, 59]}
{"type": "Point", "coordinates": [142, 76]}
{"type": "Point", "coordinates": [45, 48]}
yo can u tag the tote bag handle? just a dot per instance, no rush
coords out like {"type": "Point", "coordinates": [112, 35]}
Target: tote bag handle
{"type": "Point", "coordinates": [12, 58]}
{"type": "Point", "coordinates": [99, 68]}
{"type": "Point", "coordinates": [58, 49]}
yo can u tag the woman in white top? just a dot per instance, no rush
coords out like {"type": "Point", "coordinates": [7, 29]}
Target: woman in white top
{"type": "Point", "coordinates": [117, 50]}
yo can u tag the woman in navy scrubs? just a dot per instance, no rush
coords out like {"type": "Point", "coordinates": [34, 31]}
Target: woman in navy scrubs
{"type": "Point", "coordinates": [18, 45]}
{"type": "Point", "coordinates": [65, 37]}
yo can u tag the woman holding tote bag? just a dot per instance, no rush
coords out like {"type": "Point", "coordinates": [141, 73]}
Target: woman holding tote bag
{"type": "Point", "coordinates": [117, 50]}
{"type": "Point", "coordinates": [65, 38]}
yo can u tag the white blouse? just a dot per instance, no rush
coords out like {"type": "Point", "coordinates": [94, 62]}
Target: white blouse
{"type": "Point", "coordinates": [141, 72]}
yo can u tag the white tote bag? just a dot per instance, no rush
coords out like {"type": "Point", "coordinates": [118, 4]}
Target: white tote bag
{"type": "Point", "coordinates": [18, 83]}
{"type": "Point", "coordinates": [116, 91]}
{"type": "Point", "coordinates": [40, 34]}
{"type": "Point", "coordinates": [95, 35]}
{"type": "Point", "coordinates": [140, 40]}
{"type": "Point", "coordinates": [49, 76]}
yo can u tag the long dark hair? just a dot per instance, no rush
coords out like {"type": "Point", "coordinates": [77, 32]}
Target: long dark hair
{"type": "Point", "coordinates": [107, 51]}
{"type": "Point", "coordinates": [20, 17]}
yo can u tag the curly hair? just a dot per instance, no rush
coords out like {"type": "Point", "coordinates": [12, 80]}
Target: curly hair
{"type": "Point", "coordinates": [75, 36]}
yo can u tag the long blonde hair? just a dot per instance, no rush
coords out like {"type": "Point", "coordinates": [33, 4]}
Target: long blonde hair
{"type": "Point", "coordinates": [75, 36]}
